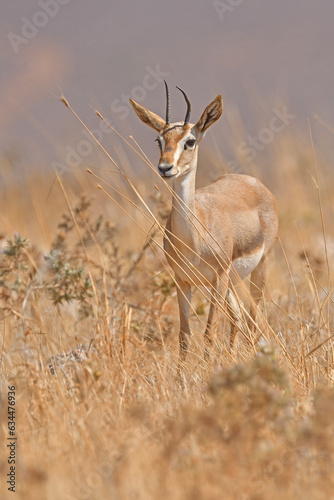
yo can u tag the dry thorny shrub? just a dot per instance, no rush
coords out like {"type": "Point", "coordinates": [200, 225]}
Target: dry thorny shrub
{"type": "Point", "coordinates": [85, 270]}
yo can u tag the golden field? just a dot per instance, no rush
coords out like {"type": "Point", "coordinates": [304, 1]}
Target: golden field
{"type": "Point", "coordinates": [117, 420]}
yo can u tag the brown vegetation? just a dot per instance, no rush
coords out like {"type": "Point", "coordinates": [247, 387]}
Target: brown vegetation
{"type": "Point", "coordinates": [112, 418]}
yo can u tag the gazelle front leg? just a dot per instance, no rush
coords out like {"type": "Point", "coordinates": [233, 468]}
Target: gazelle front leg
{"type": "Point", "coordinates": [218, 295]}
{"type": "Point", "coordinates": [234, 315]}
{"type": "Point", "coordinates": [184, 299]}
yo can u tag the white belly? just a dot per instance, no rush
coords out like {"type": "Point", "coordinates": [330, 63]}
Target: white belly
{"type": "Point", "coordinates": [243, 266]}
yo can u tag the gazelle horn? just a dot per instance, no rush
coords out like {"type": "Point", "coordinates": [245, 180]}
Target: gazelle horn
{"type": "Point", "coordinates": [187, 118]}
{"type": "Point", "coordinates": [167, 103]}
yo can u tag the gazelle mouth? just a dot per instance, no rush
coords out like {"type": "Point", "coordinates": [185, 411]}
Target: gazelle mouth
{"type": "Point", "coordinates": [166, 176]}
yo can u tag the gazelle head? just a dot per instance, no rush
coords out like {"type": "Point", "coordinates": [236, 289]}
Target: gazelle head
{"type": "Point", "coordinates": [178, 142]}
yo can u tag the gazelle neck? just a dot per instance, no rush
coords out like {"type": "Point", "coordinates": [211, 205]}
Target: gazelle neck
{"type": "Point", "coordinates": [183, 206]}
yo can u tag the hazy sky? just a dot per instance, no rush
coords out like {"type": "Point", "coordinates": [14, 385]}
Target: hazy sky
{"type": "Point", "coordinates": [257, 54]}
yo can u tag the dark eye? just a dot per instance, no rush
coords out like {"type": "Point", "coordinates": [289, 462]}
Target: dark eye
{"type": "Point", "coordinates": [190, 144]}
{"type": "Point", "coordinates": [159, 142]}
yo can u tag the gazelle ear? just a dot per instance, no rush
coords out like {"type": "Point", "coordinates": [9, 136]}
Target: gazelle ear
{"type": "Point", "coordinates": [148, 117]}
{"type": "Point", "coordinates": [210, 115]}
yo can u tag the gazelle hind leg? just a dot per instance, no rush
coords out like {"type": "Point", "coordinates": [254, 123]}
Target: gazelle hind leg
{"type": "Point", "coordinates": [234, 315]}
{"type": "Point", "coordinates": [257, 284]}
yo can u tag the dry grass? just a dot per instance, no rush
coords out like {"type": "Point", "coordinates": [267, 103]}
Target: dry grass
{"type": "Point", "coordinates": [121, 423]}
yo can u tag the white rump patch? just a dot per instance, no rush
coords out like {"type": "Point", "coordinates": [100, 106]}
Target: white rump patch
{"type": "Point", "coordinates": [245, 265]}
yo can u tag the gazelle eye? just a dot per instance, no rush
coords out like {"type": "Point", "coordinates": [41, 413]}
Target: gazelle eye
{"type": "Point", "coordinates": [190, 144]}
{"type": "Point", "coordinates": [159, 143]}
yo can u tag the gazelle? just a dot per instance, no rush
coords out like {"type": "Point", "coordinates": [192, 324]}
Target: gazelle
{"type": "Point", "coordinates": [215, 235]}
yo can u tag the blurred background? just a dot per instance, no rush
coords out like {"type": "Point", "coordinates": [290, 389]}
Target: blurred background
{"type": "Point", "coordinates": [272, 62]}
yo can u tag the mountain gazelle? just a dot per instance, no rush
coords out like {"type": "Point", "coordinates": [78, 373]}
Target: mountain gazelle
{"type": "Point", "coordinates": [215, 235]}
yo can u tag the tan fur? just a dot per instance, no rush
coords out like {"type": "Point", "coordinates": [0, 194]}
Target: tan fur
{"type": "Point", "coordinates": [233, 220]}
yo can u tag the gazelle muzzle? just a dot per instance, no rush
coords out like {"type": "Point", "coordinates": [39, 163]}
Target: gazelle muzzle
{"type": "Point", "coordinates": [165, 170]}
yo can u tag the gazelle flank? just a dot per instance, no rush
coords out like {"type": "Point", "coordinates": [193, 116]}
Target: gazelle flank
{"type": "Point", "coordinates": [215, 235]}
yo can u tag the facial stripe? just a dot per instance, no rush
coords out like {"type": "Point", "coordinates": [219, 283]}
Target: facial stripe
{"type": "Point", "coordinates": [172, 141]}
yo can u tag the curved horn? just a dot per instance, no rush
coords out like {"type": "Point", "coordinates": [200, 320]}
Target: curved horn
{"type": "Point", "coordinates": [167, 103]}
{"type": "Point", "coordinates": [187, 118]}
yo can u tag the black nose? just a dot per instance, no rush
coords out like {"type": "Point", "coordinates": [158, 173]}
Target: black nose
{"type": "Point", "coordinates": [163, 169]}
